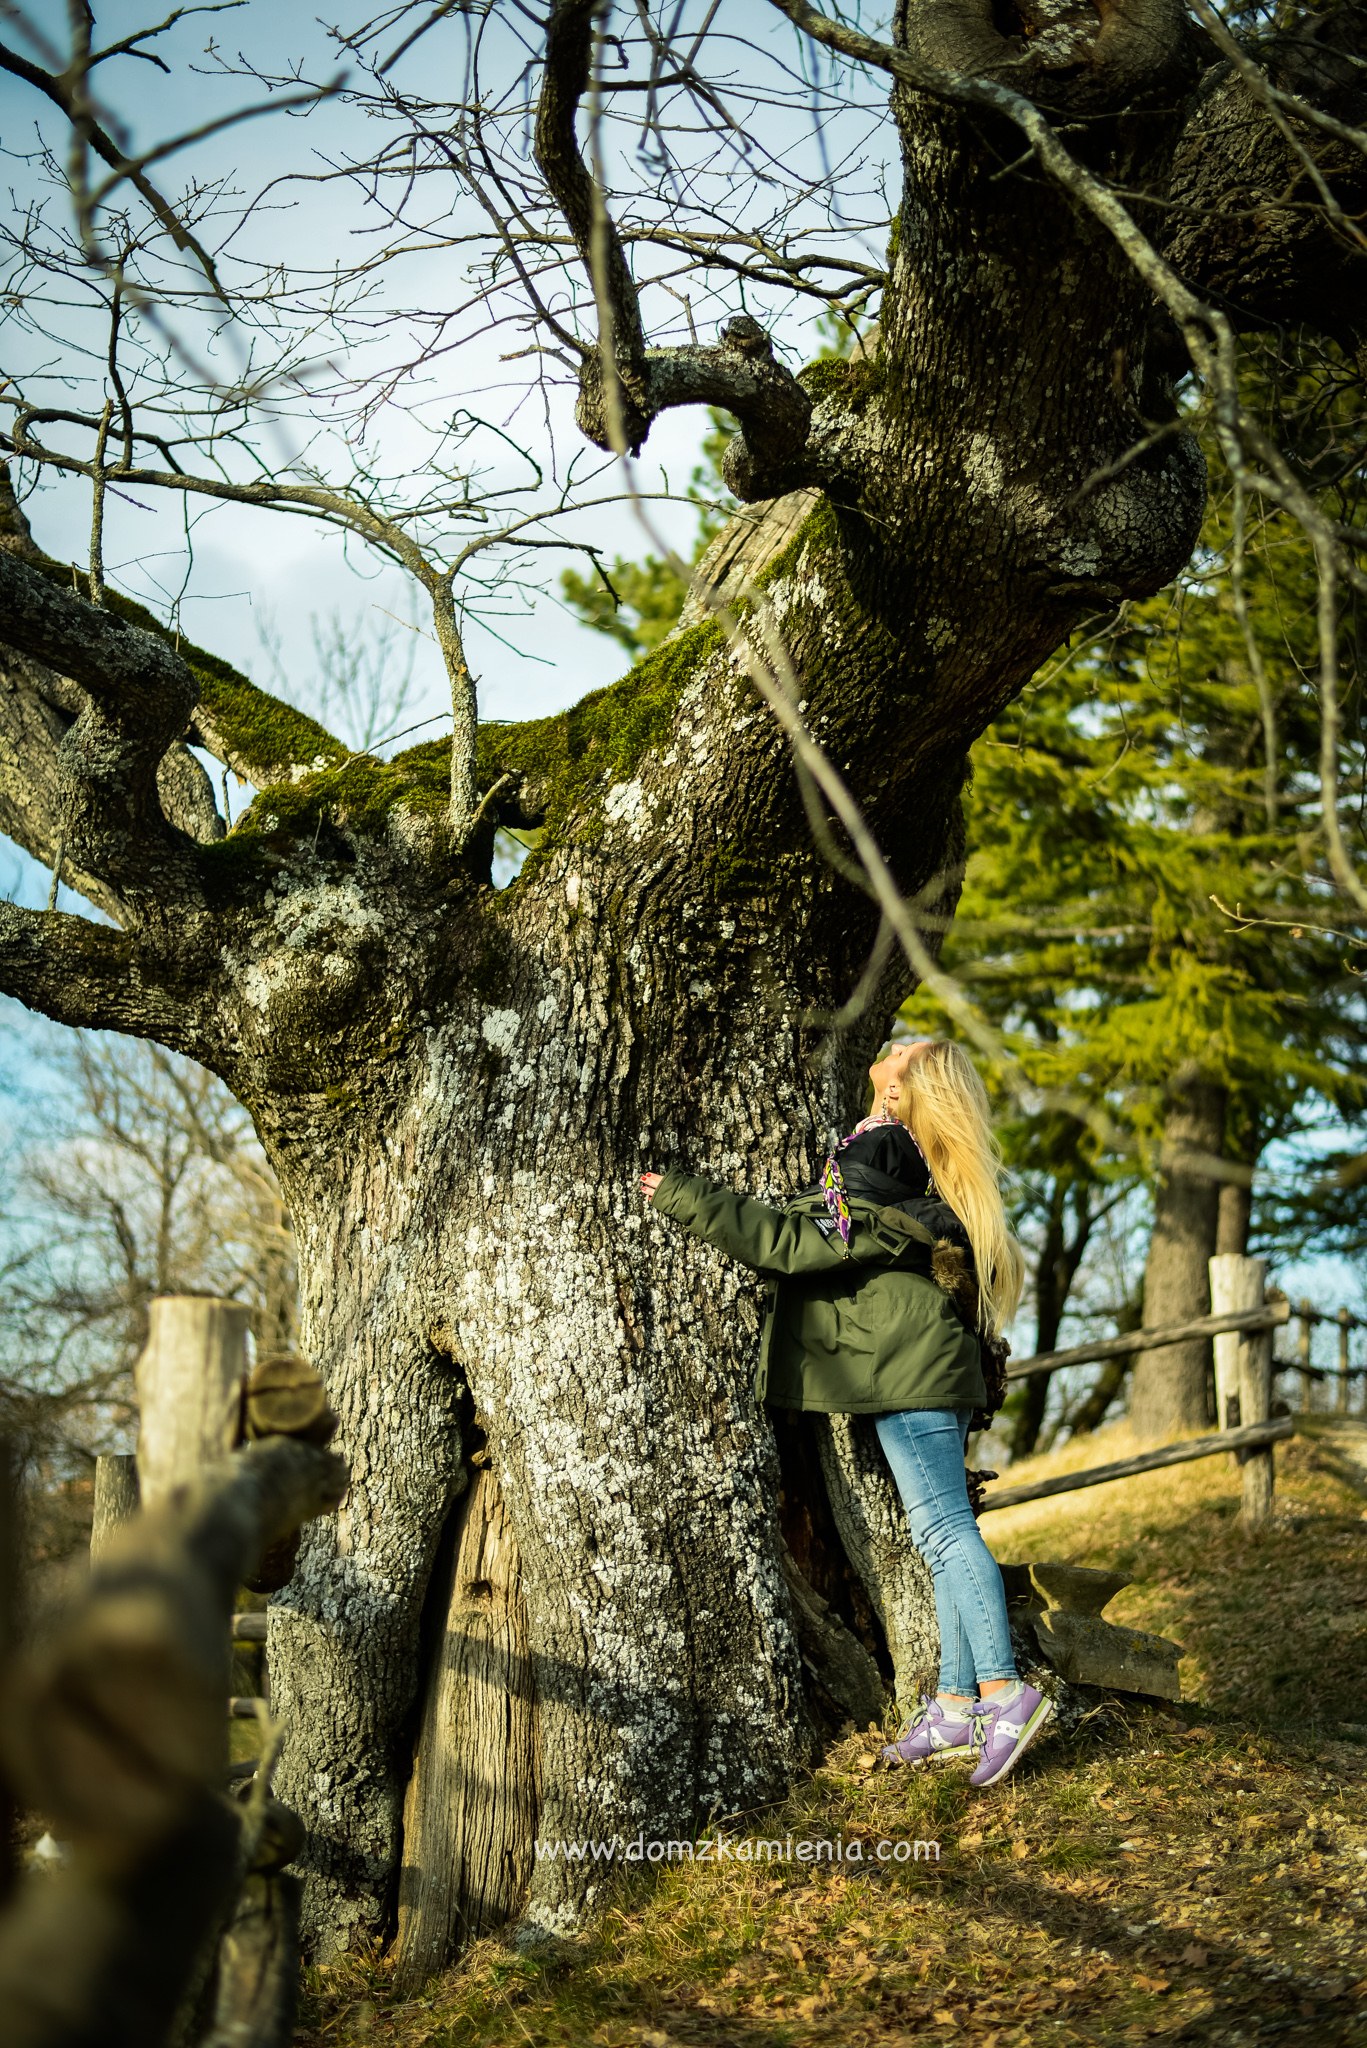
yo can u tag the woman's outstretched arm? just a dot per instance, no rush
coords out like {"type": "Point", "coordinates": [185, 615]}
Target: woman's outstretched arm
{"type": "Point", "coordinates": [768, 1240]}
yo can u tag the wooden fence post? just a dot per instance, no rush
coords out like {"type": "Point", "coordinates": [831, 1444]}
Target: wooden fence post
{"type": "Point", "coordinates": [116, 1499]}
{"type": "Point", "coordinates": [468, 1818]}
{"type": "Point", "coordinates": [1341, 1401]}
{"type": "Point", "coordinates": [1244, 1382]}
{"type": "Point", "coordinates": [1303, 1355]}
{"type": "Point", "coordinates": [1236, 1283]}
{"type": "Point", "coordinates": [189, 1385]}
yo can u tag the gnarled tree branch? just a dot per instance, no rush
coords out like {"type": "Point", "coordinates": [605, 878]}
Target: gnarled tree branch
{"type": "Point", "coordinates": [334, 508]}
{"type": "Point", "coordinates": [136, 699]}
{"type": "Point", "coordinates": [624, 385]}
{"type": "Point", "coordinates": [37, 710]}
{"type": "Point", "coordinates": [1063, 60]}
{"type": "Point", "coordinates": [1250, 227]}
{"type": "Point", "coordinates": [101, 979]}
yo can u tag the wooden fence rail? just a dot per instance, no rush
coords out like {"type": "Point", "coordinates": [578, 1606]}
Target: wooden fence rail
{"type": "Point", "coordinates": [1242, 1324]}
{"type": "Point", "coordinates": [1266, 1318]}
{"type": "Point", "coordinates": [1255, 1438]}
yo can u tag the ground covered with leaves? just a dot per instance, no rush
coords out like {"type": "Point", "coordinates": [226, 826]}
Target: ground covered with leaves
{"type": "Point", "coordinates": [1196, 1875]}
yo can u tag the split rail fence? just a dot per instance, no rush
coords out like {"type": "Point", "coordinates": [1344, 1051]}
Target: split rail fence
{"type": "Point", "coordinates": [1245, 1313]}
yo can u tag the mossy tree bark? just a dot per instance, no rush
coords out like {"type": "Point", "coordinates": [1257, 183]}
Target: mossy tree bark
{"type": "Point", "coordinates": [459, 1088]}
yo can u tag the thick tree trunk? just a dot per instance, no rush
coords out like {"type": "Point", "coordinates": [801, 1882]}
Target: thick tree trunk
{"type": "Point", "coordinates": [488, 1231]}
{"type": "Point", "coordinates": [1170, 1389]}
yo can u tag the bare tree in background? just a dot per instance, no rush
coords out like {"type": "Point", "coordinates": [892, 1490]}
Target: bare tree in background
{"type": "Point", "coordinates": [148, 1181]}
{"type": "Point", "coordinates": [458, 1087]}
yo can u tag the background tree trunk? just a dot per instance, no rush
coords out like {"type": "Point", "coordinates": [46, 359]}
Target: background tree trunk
{"type": "Point", "coordinates": [1048, 1315]}
{"type": "Point", "coordinates": [1092, 1410]}
{"type": "Point", "coordinates": [1242, 1148]}
{"type": "Point", "coordinates": [1170, 1389]}
{"type": "Point", "coordinates": [1059, 1263]}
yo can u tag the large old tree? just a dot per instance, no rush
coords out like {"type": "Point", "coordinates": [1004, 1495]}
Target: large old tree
{"type": "Point", "coordinates": [544, 1392]}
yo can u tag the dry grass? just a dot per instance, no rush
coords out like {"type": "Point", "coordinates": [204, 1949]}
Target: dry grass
{"type": "Point", "coordinates": [1195, 1876]}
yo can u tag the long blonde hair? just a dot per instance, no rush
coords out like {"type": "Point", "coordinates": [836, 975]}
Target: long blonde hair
{"type": "Point", "coordinates": [943, 1102]}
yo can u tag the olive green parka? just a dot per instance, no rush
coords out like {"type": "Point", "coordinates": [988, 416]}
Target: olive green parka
{"type": "Point", "coordinates": [885, 1322]}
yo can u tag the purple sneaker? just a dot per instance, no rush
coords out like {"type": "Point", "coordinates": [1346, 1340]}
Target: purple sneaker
{"type": "Point", "coordinates": [1007, 1724]}
{"type": "Point", "coordinates": [933, 1731]}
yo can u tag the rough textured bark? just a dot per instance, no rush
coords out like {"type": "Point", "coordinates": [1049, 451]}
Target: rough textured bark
{"type": "Point", "coordinates": [458, 1089]}
{"type": "Point", "coordinates": [116, 1499]}
{"type": "Point", "coordinates": [872, 1523]}
{"type": "Point", "coordinates": [1170, 1388]}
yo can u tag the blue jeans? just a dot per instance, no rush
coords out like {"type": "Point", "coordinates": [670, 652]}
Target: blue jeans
{"type": "Point", "coordinates": [925, 1448]}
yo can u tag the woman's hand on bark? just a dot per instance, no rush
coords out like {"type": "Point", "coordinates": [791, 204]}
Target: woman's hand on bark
{"type": "Point", "coordinates": [649, 1183]}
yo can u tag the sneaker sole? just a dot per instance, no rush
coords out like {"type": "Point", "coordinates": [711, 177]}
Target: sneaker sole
{"type": "Point", "coordinates": [918, 1763]}
{"type": "Point", "coordinates": [1027, 1735]}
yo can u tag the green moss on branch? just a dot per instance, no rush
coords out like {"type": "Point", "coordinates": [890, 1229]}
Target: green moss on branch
{"type": "Point", "coordinates": [261, 738]}
{"type": "Point", "coordinates": [565, 760]}
{"type": "Point", "coordinates": [357, 794]}
{"type": "Point", "coordinates": [855, 379]}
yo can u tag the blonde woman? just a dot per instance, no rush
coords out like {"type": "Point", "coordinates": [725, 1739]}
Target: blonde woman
{"type": "Point", "coordinates": [892, 1274]}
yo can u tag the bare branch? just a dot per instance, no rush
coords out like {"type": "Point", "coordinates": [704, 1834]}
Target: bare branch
{"type": "Point", "coordinates": [57, 88]}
